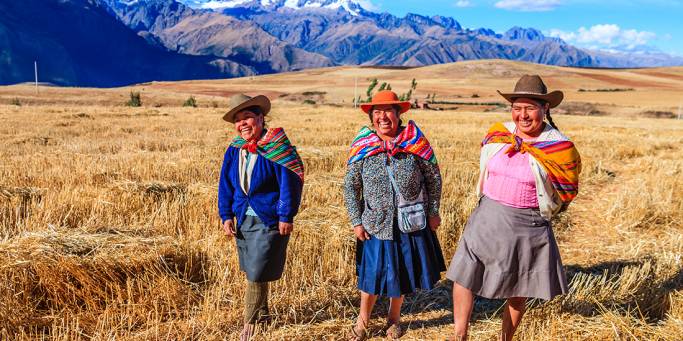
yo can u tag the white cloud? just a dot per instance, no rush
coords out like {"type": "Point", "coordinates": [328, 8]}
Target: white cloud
{"type": "Point", "coordinates": [464, 3]}
{"type": "Point", "coordinates": [606, 36]}
{"type": "Point", "coordinates": [368, 5]}
{"type": "Point", "coordinates": [528, 5]}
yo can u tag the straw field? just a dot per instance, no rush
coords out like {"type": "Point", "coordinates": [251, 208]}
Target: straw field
{"type": "Point", "coordinates": [109, 229]}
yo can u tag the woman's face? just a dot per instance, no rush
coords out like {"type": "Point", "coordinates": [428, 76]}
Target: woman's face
{"type": "Point", "coordinates": [528, 116]}
{"type": "Point", "coordinates": [249, 125]}
{"type": "Point", "coordinates": [385, 120]}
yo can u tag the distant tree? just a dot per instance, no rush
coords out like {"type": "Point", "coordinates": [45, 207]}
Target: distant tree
{"type": "Point", "coordinates": [382, 86]}
{"type": "Point", "coordinates": [413, 84]}
{"type": "Point", "coordinates": [134, 100]}
{"type": "Point", "coordinates": [15, 101]}
{"type": "Point", "coordinates": [371, 87]}
{"type": "Point", "coordinates": [388, 86]}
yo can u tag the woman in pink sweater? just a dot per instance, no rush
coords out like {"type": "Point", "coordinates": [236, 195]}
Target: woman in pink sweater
{"type": "Point", "coordinates": [528, 173]}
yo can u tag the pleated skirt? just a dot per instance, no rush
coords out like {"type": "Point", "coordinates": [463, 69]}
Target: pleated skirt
{"type": "Point", "coordinates": [261, 249]}
{"type": "Point", "coordinates": [401, 266]}
{"type": "Point", "coordinates": [508, 252]}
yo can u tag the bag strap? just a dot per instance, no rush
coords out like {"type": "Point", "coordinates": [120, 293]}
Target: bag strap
{"type": "Point", "coordinates": [394, 185]}
{"type": "Point", "coordinates": [390, 171]}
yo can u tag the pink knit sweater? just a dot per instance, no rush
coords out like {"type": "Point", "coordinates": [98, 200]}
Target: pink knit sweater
{"type": "Point", "coordinates": [510, 180]}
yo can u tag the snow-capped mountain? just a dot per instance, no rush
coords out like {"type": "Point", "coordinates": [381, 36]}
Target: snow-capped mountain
{"type": "Point", "coordinates": [349, 6]}
{"type": "Point", "coordinates": [281, 35]}
{"type": "Point", "coordinates": [185, 39]}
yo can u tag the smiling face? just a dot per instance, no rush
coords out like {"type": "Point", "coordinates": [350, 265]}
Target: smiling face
{"type": "Point", "coordinates": [528, 116]}
{"type": "Point", "coordinates": [385, 120]}
{"type": "Point", "coordinates": [249, 125]}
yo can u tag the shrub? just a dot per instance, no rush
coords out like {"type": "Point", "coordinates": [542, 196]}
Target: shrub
{"type": "Point", "coordinates": [15, 101]}
{"type": "Point", "coordinates": [190, 102]}
{"type": "Point", "coordinates": [314, 93]}
{"type": "Point", "coordinates": [134, 100]}
{"type": "Point", "coordinates": [309, 101]}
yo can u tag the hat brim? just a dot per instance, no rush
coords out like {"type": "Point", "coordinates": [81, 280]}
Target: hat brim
{"type": "Point", "coordinates": [366, 107]}
{"type": "Point", "coordinates": [257, 101]}
{"type": "Point", "coordinates": [554, 98]}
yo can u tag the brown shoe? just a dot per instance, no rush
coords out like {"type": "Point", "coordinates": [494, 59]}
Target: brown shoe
{"type": "Point", "coordinates": [247, 332]}
{"type": "Point", "coordinates": [394, 331]}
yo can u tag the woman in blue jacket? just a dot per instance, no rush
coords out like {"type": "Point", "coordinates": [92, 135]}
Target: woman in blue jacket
{"type": "Point", "coordinates": [260, 187]}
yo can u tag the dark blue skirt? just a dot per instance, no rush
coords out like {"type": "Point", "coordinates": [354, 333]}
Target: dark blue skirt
{"type": "Point", "coordinates": [400, 266]}
{"type": "Point", "coordinates": [261, 249]}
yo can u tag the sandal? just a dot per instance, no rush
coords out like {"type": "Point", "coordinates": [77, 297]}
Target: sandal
{"type": "Point", "coordinates": [394, 331]}
{"type": "Point", "coordinates": [357, 334]}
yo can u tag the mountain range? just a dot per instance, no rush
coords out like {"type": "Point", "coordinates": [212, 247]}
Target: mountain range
{"type": "Point", "coordinates": [118, 42]}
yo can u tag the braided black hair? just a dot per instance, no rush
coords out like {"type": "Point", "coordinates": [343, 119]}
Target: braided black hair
{"type": "Point", "coordinates": [550, 120]}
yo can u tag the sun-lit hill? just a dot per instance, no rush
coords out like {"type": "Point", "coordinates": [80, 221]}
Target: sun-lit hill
{"type": "Point", "coordinates": [650, 87]}
{"type": "Point", "coordinates": [469, 85]}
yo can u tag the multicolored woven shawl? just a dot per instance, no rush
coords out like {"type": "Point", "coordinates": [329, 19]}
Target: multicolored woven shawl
{"type": "Point", "coordinates": [276, 147]}
{"type": "Point", "coordinates": [410, 140]}
{"type": "Point", "coordinates": [559, 158]}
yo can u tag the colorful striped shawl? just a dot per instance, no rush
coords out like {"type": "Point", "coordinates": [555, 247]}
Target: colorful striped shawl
{"type": "Point", "coordinates": [559, 158]}
{"type": "Point", "coordinates": [410, 140]}
{"type": "Point", "coordinates": [276, 147]}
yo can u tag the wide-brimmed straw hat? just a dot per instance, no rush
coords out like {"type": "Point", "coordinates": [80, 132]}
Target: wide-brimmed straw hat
{"type": "Point", "coordinates": [532, 86]}
{"type": "Point", "coordinates": [385, 97]}
{"type": "Point", "coordinates": [240, 102]}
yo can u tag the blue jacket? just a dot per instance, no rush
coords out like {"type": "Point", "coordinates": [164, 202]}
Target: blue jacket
{"type": "Point", "coordinates": [274, 193]}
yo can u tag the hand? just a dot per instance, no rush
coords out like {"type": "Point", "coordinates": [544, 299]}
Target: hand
{"type": "Point", "coordinates": [229, 228]}
{"type": "Point", "coordinates": [361, 233]}
{"type": "Point", "coordinates": [434, 222]}
{"type": "Point", "coordinates": [285, 228]}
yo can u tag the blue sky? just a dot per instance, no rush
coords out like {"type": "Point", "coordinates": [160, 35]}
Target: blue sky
{"type": "Point", "coordinates": [628, 25]}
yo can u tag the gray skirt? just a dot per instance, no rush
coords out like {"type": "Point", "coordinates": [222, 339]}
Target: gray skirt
{"type": "Point", "coordinates": [508, 252]}
{"type": "Point", "coordinates": [261, 249]}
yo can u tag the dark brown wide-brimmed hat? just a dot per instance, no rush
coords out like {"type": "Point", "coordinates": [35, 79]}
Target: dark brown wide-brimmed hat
{"type": "Point", "coordinates": [385, 97]}
{"type": "Point", "coordinates": [240, 102]}
{"type": "Point", "coordinates": [532, 86]}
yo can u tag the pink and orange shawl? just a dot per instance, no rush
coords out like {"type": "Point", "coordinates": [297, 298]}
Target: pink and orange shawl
{"type": "Point", "coordinates": [560, 159]}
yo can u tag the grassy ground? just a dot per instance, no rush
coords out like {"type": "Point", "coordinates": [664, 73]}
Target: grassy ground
{"type": "Point", "coordinates": [108, 226]}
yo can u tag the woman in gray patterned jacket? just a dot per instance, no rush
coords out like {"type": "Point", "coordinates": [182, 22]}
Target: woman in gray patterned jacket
{"type": "Point", "coordinates": [392, 192]}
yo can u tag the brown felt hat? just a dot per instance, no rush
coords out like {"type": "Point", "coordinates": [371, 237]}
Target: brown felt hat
{"type": "Point", "coordinates": [240, 102]}
{"type": "Point", "coordinates": [532, 86]}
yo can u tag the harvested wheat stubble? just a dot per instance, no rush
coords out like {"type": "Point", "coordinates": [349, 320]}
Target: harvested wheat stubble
{"type": "Point", "coordinates": [24, 193]}
{"type": "Point", "coordinates": [138, 253]}
{"type": "Point", "coordinates": [16, 204]}
{"type": "Point", "coordinates": [80, 274]}
{"type": "Point", "coordinates": [151, 188]}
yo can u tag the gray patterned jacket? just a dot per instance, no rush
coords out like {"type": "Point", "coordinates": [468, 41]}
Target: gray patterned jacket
{"type": "Point", "coordinates": [368, 191]}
